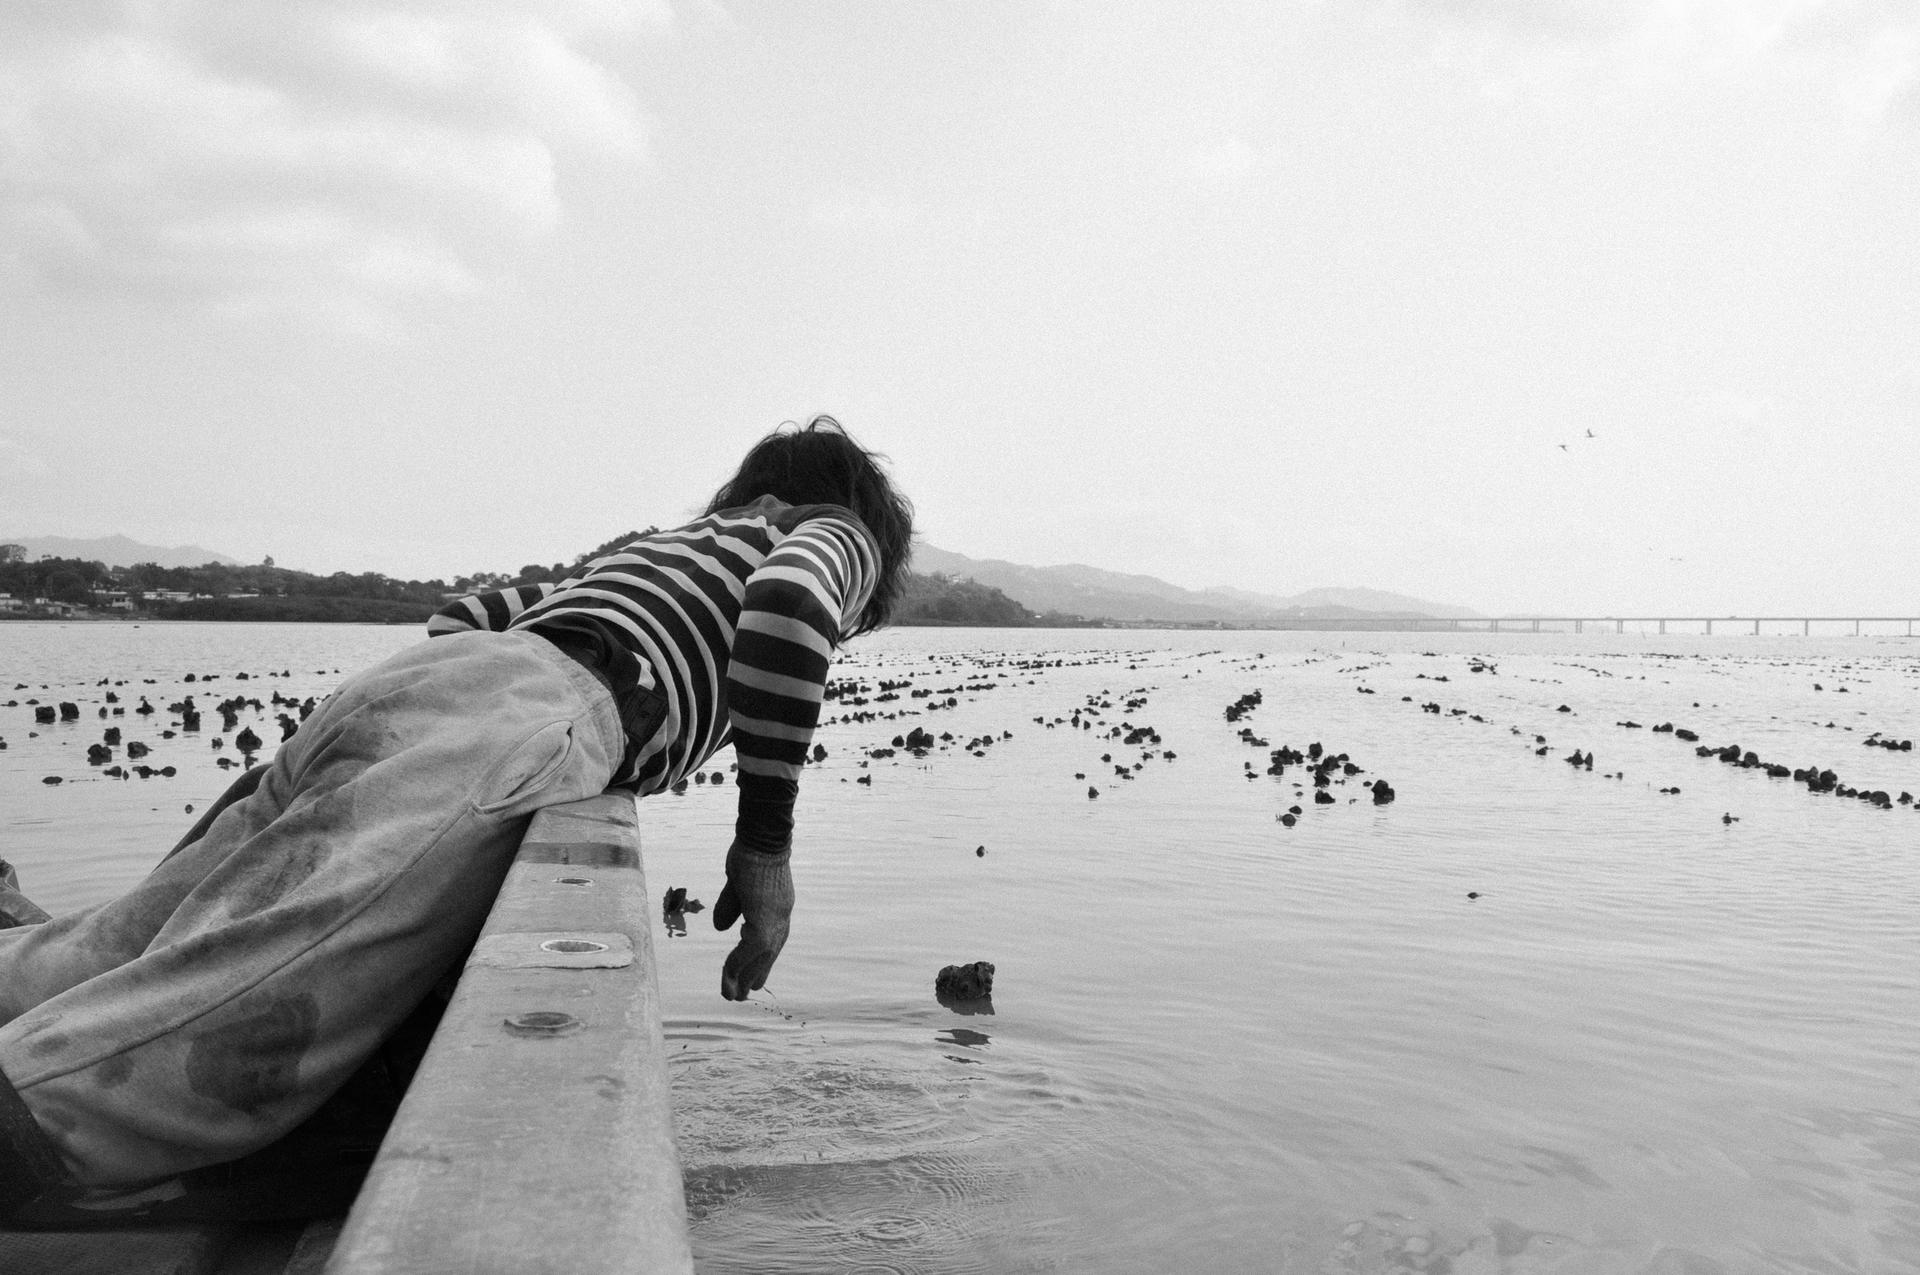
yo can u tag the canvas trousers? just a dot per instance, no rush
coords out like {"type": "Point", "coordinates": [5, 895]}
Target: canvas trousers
{"type": "Point", "coordinates": [217, 1004]}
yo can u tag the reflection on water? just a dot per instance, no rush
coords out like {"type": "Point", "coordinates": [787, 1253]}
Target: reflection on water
{"type": "Point", "coordinates": [970, 1005]}
{"type": "Point", "coordinates": [848, 1149]}
{"type": "Point", "coordinates": [1525, 1017]}
{"type": "Point", "coordinates": [1390, 1243]}
{"type": "Point", "coordinates": [675, 907]}
{"type": "Point", "coordinates": [910, 1213]}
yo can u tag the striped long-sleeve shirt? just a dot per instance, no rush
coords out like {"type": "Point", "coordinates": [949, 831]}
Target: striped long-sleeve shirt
{"type": "Point", "coordinates": [733, 620]}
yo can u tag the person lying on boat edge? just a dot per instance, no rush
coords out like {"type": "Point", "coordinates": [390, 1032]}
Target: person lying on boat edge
{"type": "Point", "coordinates": [251, 984]}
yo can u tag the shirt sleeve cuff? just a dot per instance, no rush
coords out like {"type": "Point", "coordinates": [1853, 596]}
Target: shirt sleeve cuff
{"type": "Point", "coordinates": [765, 821]}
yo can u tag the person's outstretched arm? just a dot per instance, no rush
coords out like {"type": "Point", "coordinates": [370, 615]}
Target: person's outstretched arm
{"type": "Point", "coordinates": [796, 605]}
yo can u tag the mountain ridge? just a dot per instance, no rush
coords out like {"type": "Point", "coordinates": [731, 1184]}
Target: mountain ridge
{"type": "Point", "coordinates": [117, 551]}
{"type": "Point", "coordinates": [1078, 589]}
{"type": "Point", "coordinates": [1066, 589]}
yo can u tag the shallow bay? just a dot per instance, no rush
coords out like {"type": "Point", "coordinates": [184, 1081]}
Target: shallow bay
{"type": "Point", "coordinates": [1655, 1041]}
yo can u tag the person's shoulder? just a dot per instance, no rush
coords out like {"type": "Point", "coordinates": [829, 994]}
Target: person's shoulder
{"type": "Point", "coordinates": [778, 515]}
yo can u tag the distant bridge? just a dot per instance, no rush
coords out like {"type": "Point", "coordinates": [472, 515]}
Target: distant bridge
{"type": "Point", "coordinates": [1578, 624]}
{"type": "Point", "coordinates": [1620, 623]}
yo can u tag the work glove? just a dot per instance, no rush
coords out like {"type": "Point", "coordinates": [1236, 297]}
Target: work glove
{"type": "Point", "coordinates": [760, 888]}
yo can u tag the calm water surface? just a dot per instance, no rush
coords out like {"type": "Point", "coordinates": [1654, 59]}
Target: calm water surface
{"type": "Point", "coordinates": [1656, 1041]}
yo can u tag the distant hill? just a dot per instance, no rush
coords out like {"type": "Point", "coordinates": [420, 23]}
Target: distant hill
{"type": "Point", "coordinates": [1075, 589]}
{"type": "Point", "coordinates": [1068, 590]}
{"type": "Point", "coordinates": [116, 551]}
{"type": "Point", "coordinates": [1346, 601]}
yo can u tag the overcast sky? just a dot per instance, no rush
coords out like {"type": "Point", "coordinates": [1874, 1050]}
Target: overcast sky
{"type": "Point", "coordinates": [1514, 304]}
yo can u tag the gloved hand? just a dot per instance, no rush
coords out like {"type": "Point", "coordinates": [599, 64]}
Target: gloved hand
{"type": "Point", "coordinates": [760, 888]}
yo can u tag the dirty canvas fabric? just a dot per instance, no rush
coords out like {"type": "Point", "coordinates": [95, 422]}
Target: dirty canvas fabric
{"type": "Point", "coordinates": [15, 907]}
{"type": "Point", "coordinates": [215, 1006]}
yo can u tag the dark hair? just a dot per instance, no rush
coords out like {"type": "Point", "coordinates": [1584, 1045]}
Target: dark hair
{"type": "Point", "coordinates": [819, 464]}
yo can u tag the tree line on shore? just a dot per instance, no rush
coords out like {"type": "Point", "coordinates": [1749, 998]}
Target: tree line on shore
{"type": "Point", "coordinates": [218, 591]}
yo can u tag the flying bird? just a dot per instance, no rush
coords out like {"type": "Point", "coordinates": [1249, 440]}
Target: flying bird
{"type": "Point", "coordinates": [1590, 434]}
{"type": "Point", "coordinates": [1561, 446]}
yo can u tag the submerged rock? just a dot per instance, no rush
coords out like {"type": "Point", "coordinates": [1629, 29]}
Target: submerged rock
{"type": "Point", "coordinates": [964, 982]}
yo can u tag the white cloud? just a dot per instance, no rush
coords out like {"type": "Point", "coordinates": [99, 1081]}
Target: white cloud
{"type": "Point", "coordinates": [861, 210]}
{"type": "Point", "coordinates": [1560, 19]}
{"type": "Point", "coordinates": [1871, 55]}
{"type": "Point", "coordinates": [1221, 165]}
{"type": "Point", "coordinates": [1865, 54]}
{"type": "Point", "coordinates": [307, 151]}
